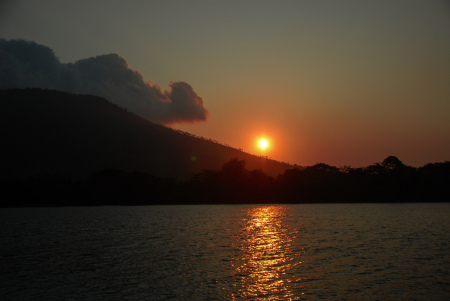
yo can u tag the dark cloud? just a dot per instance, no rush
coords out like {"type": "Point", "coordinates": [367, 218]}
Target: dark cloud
{"type": "Point", "coordinates": [27, 64]}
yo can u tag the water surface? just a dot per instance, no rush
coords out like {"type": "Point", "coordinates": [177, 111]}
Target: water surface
{"type": "Point", "coordinates": [226, 252]}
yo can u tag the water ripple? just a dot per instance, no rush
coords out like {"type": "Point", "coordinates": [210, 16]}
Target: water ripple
{"type": "Point", "coordinates": [290, 252]}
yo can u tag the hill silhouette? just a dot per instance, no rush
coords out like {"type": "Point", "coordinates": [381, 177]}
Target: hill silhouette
{"type": "Point", "coordinates": [52, 132]}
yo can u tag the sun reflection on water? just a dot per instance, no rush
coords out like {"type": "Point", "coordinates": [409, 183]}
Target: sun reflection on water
{"type": "Point", "coordinates": [268, 262]}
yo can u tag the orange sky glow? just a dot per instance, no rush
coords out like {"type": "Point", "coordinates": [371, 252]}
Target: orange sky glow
{"type": "Point", "coordinates": [335, 82]}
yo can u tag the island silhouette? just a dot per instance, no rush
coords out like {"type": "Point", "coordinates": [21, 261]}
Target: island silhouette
{"type": "Point", "coordinates": [64, 149]}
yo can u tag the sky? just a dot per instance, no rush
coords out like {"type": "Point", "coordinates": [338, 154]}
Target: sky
{"type": "Point", "coordinates": [335, 82]}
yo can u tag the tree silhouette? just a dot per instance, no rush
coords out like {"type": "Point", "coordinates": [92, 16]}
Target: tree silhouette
{"type": "Point", "coordinates": [392, 163]}
{"type": "Point", "coordinates": [388, 181]}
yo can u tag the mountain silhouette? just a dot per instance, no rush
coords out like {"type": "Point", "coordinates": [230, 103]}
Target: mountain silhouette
{"type": "Point", "coordinates": [53, 132]}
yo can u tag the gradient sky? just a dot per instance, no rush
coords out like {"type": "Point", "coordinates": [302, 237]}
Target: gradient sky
{"type": "Point", "coordinates": [338, 82]}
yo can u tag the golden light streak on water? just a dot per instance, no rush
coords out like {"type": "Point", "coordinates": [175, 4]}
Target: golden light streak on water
{"type": "Point", "coordinates": [267, 262]}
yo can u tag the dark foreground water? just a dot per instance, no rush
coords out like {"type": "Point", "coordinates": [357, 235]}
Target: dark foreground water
{"type": "Point", "coordinates": [280, 252]}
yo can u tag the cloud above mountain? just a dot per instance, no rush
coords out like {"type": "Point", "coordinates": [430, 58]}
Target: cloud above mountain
{"type": "Point", "coordinates": [26, 64]}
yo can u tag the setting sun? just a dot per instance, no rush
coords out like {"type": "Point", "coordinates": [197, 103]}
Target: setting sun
{"type": "Point", "coordinates": [263, 143]}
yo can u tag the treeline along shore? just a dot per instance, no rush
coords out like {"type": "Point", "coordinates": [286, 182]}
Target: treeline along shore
{"type": "Point", "coordinates": [65, 149]}
{"type": "Point", "coordinates": [388, 181]}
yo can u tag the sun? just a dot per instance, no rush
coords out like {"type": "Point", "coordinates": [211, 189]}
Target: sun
{"type": "Point", "coordinates": [263, 143]}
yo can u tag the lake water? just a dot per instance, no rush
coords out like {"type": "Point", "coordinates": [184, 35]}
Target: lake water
{"type": "Point", "coordinates": [239, 252]}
